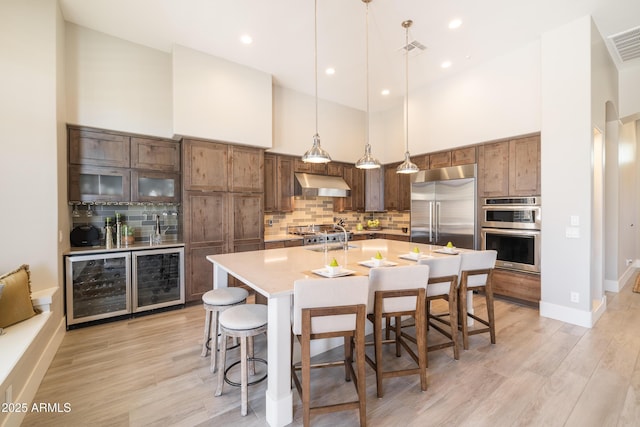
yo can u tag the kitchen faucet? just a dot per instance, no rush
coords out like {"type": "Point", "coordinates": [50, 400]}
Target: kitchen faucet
{"type": "Point", "coordinates": [344, 230]}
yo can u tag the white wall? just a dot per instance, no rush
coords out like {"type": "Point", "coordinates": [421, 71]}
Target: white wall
{"type": "Point", "coordinates": [341, 128]}
{"type": "Point", "coordinates": [217, 99]}
{"type": "Point", "coordinates": [566, 169]}
{"type": "Point", "coordinates": [630, 91]}
{"type": "Point", "coordinates": [118, 85]}
{"type": "Point", "coordinates": [498, 99]}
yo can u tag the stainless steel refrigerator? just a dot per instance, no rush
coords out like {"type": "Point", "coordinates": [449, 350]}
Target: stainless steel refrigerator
{"type": "Point", "coordinates": [443, 206]}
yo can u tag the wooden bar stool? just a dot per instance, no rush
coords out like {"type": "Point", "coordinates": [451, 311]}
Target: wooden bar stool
{"type": "Point", "coordinates": [395, 292]}
{"type": "Point", "coordinates": [328, 308]}
{"type": "Point", "coordinates": [243, 322]}
{"type": "Point", "coordinates": [476, 269]}
{"type": "Point", "coordinates": [215, 302]}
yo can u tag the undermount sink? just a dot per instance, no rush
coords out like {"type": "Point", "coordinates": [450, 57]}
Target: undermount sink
{"type": "Point", "coordinates": [331, 247]}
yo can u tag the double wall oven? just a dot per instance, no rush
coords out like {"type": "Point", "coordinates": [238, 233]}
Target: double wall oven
{"type": "Point", "coordinates": [511, 226]}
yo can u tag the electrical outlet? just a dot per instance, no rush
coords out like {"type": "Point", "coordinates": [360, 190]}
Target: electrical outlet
{"type": "Point", "coordinates": [8, 394]}
{"type": "Point", "coordinates": [575, 297]}
{"type": "Point", "coordinates": [269, 223]}
{"type": "Point", "coordinates": [628, 262]}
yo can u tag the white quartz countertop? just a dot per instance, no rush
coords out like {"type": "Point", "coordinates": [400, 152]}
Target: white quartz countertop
{"type": "Point", "coordinates": [283, 237]}
{"type": "Point", "coordinates": [272, 272]}
{"type": "Point", "coordinates": [86, 250]}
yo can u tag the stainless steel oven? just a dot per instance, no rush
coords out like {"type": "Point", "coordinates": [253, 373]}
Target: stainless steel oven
{"type": "Point", "coordinates": [511, 226]}
{"type": "Point", "coordinates": [511, 212]}
{"type": "Point", "coordinates": [517, 249]}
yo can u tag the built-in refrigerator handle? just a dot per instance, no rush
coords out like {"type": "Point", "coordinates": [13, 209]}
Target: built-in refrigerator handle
{"type": "Point", "coordinates": [437, 222]}
{"type": "Point", "coordinates": [431, 222]}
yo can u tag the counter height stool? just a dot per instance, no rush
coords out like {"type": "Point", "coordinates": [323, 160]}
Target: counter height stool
{"type": "Point", "coordinates": [215, 302]}
{"type": "Point", "coordinates": [395, 292]}
{"type": "Point", "coordinates": [476, 269]}
{"type": "Point", "coordinates": [443, 284]}
{"type": "Point", "coordinates": [327, 308]}
{"type": "Point", "coordinates": [244, 322]}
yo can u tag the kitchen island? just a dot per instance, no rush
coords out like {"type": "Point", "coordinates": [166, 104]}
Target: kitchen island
{"type": "Point", "coordinates": [272, 274]}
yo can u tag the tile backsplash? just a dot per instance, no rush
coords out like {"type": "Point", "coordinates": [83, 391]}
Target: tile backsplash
{"type": "Point", "coordinates": [140, 217]}
{"type": "Point", "coordinates": [319, 210]}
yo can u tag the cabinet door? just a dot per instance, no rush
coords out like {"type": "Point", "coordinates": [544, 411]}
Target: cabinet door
{"type": "Point", "coordinates": [155, 187]}
{"type": "Point", "coordinates": [493, 169]}
{"type": "Point", "coordinates": [463, 156]}
{"type": "Point", "coordinates": [422, 161]}
{"type": "Point", "coordinates": [270, 182]}
{"type": "Point", "coordinates": [404, 192]}
{"type": "Point", "coordinates": [98, 184]}
{"type": "Point", "coordinates": [284, 187]}
{"type": "Point", "coordinates": [335, 169]}
{"type": "Point", "coordinates": [158, 278]}
{"type": "Point", "coordinates": [98, 148]}
{"type": "Point", "coordinates": [247, 220]}
{"type": "Point", "coordinates": [342, 204]}
{"type": "Point", "coordinates": [524, 166]}
{"type": "Point", "coordinates": [391, 183]}
{"type": "Point", "coordinates": [374, 190]}
{"type": "Point", "coordinates": [316, 168]}
{"type": "Point", "coordinates": [440, 160]}
{"type": "Point", "coordinates": [206, 219]}
{"type": "Point", "coordinates": [246, 169]}
{"type": "Point", "coordinates": [357, 189]}
{"type": "Point", "coordinates": [199, 277]}
{"type": "Point", "coordinates": [205, 165]}
{"type": "Point", "coordinates": [155, 154]}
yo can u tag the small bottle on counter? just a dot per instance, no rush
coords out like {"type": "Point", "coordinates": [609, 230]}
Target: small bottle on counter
{"type": "Point", "coordinates": [118, 231]}
{"type": "Point", "coordinates": [108, 234]}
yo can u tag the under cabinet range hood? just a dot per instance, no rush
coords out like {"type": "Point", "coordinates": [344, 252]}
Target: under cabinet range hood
{"type": "Point", "coordinates": [307, 184]}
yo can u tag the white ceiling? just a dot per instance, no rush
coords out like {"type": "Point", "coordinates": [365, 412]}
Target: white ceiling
{"type": "Point", "coordinates": [283, 35]}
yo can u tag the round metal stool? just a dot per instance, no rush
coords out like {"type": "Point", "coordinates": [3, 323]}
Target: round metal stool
{"type": "Point", "coordinates": [243, 322]}
{"type": "Point", "coordinates": [215, 302]}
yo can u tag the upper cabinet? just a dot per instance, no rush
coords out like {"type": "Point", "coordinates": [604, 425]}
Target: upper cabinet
{"type": "Point", "coordinates": [374, 189]}
{"type": "Point", "coordinates": [109, 166]}
{"type": "Point", "coordinates": [509, 168]}
{"type": "Point", "coordinates": [397, 189]}
{"type": "Point", "coordinates": [247, 169]}
{"type": "Point", "coordinates": [317, 168]}
{"type": "Point", "coordinates": [155, 154]}
{"type": "Point", "coordinates": [205, 165]}
{"type": "Point", "coordinates": [278, 183]}
{"type": "Point", "coordinates": [457, 157]}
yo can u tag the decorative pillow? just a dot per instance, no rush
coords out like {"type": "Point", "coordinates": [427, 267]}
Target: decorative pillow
{"type": "Point", "coordinates": [15, 304]}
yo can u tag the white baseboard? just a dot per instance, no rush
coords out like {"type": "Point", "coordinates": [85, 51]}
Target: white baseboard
{"type": "Point", "coordinates": [566, 314]}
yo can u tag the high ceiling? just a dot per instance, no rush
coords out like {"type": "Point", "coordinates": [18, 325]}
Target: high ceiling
{"type": "Point", "coordinates": [283, 35]}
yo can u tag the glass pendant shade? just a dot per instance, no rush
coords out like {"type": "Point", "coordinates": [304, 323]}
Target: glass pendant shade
{"type": "Point", "coordinates": [407, 166]}
{"type": "Point", "coordinates": [316, 154]}
{"type": "Point", "coordinates": [367, 161]}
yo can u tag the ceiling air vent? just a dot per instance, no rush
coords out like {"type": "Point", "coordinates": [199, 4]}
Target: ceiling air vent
{"type": "Point", "coordinates": [413, 48]}
{"type": "Point", "coordinates": [627, 44]}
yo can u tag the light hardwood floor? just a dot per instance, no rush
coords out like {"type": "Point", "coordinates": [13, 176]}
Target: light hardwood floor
{"type": "Point", "coordinates": [542, 372]}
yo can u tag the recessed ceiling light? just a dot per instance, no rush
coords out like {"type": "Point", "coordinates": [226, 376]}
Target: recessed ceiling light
{"type": "Point", "coordinates": [246, 39]}
{"type": "Point", "coordinates": [385, 92]}
{"type": "Point", "coordinates": [454, 23]}
{"type": "Point", "coordinates": [446, 64]}
{"type": "Point", "coordinates": [330, 71]}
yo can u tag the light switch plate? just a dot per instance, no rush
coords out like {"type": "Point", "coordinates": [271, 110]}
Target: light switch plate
{"type": "Point", "coordinates": [575, 220]}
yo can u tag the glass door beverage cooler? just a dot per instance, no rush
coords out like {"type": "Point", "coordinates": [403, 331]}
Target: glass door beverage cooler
{"type": "Point", "coordinates": [113, 284]}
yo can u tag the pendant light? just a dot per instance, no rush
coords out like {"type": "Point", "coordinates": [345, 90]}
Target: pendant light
{"type": "Point", "coordinates": [367, 161]}
{"type": "Point", "coordinates": [316, 154]}
{"type": "Point", "coordinates": [407, 166]}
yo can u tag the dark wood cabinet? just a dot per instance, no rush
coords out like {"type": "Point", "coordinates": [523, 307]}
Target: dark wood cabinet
{"type": "Point", "coordinates": [205, 165]}
{"type": "Point", "coordinates": [98, 184]}
{"type": "Point", "coordinates": [524, 166]}
{"type": "Point", "coordinates": [96, 147]}
{"type": "Point", "coordinates": [316, 168]}
{"type": "Point", "coordinates": [335, 169]}
{"type": "Point", "coordinates": [509, 168]}
{"type": "Point", "coordinates": [246, 167]}
{"type": "Point", "coordinates": [422, 161]}
{"type": "Point", "coordinates": [521, 286]}
{"type": "Point", "coordinates": [147, 186]}
{"type": "Point", "coordinates": [155, 154]}
{"type": "Point", "coordinates": [246, 222]}
{"type": "Point", "coordinates": [440, 160]}
{"type": "Point", "coordinates": [493, 169]}
{"type": "Point", "coordinates": [374, 189]}
{"type": "Point", "coordinates": [397, 189]}
{"type": "Point", "coordinates": [278, 183]}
